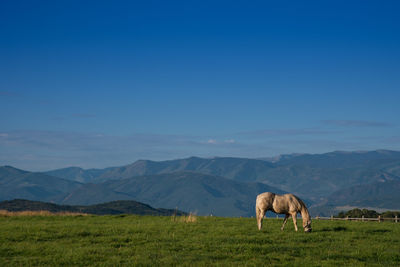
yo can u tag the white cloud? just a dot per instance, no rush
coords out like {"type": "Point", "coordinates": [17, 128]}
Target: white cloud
{"type": "Point", "coordinates": [212, 141]}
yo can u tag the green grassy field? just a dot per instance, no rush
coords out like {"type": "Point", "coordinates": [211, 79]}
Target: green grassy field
{"type": "Point", "coordinates": [147, 240]}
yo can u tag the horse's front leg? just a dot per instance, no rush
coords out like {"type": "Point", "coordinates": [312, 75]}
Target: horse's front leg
{"type": "Point", "coordinates": [294, 216]}
{"type": "Point", "coordinates": [284, 221]}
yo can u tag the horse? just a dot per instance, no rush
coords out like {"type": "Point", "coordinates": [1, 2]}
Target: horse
{"type": "Point", "coordinates": [287, 204]}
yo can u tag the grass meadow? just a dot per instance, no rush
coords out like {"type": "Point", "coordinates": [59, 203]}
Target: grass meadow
{"type": "Point", "coordinates": [77, 240]}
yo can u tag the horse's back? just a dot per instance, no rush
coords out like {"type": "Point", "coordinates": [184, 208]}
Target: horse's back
{"type": "Point", "coordinates": [265, 200]}
{"type": "Point", "coordinates": [266, 196]}
{"type": "Point", "coordinates": [294, 202]}
{"type": "Point", "coordinates": [283, 204]}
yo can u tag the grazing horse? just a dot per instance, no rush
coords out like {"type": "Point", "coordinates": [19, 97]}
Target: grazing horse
{"type": "Point", "coordinates": [287, 204]}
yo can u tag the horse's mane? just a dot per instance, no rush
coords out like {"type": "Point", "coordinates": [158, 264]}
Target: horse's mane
{"type": "Point", "coordinates": [303, 208]}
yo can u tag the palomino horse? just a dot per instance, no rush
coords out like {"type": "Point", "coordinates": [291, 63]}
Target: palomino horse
{"type": "Point", "coordinates": [287, 204]}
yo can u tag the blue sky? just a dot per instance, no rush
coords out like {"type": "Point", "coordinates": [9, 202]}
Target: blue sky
{"type": "Point", "coordinates": [105, 83]}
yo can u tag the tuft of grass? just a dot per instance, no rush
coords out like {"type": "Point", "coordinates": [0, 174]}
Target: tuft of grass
{"type": "Point", "coordinates": [6, 213]}
{"type": "Point", "coordinates": [191, 218]}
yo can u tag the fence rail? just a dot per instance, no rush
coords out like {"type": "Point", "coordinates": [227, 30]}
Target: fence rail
{"type": "Point", "coordinates": [363, 219]}
{"type": "Point", "coordinates": [379, 219]}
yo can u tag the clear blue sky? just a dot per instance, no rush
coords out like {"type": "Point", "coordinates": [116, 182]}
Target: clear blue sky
{"type": "Point", "coordinates": [105, 83]}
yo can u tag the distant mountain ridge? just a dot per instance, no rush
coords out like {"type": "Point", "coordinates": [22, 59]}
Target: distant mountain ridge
{"type": "Point", "coordinates": [189, 191]}
{"type": "Point", "coordinates": [379, 196]}
{"type": "Point", "coordinates": [241, 169]}
{"type": "Point", "coordinates": [15, 183]}
{"type": "Point", "coordinates": [111, 208]}
{"type": "Point", "coordinates": [77, 174]}
{"type": "Point", "coordinates": [235, 168]}
{"type": "Point", "coordinates": [314, 177]}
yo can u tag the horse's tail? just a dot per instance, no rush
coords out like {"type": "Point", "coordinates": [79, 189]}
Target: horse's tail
{"type": "Point", "coordinates": [259, 214]}
{"type": "Point", "coordinates": [258, 211]}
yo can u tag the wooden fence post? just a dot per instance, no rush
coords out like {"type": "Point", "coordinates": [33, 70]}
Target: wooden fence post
{"type": "Point", "coordinates": [362, 218]}
{"type": "Point", "coordinates": [331, 217]}
{"type": "Point", "coordinates": [347, 218]}
{"type": "Point", "coordinates": [395, 218]}
{"type": "Point", "coordinates": [379, 218]}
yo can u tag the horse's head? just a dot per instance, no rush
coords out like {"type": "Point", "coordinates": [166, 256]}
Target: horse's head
{"type": "Point", "coordinates": [307, 226]}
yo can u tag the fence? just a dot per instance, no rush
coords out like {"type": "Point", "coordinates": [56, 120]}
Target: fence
{"type": "Point", "coordinates": [379, 219]}
{"type": "Point", "coordinates": [363, 219]}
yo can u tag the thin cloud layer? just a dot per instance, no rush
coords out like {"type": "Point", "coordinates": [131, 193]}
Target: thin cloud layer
{"type": "Point", "coordinates": [43, 150]}
{"type": "Point", "coordinates": [290, 132]}
{"type": "Point", "coordinates": [356, 123]}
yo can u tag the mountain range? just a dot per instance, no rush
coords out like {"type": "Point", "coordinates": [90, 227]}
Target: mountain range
{"type": "Point", "coordinates": [221, 186]}
{"type": "Point", "coordinates": [114, 207]}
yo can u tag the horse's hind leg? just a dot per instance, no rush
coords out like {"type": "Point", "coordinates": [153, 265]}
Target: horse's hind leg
{"type": "Point", "coordinates": [260, 216]}
{"type": "Point", "coordinates": [294, 216]}
{"type": "Point", "coordinates": [284, 221]}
